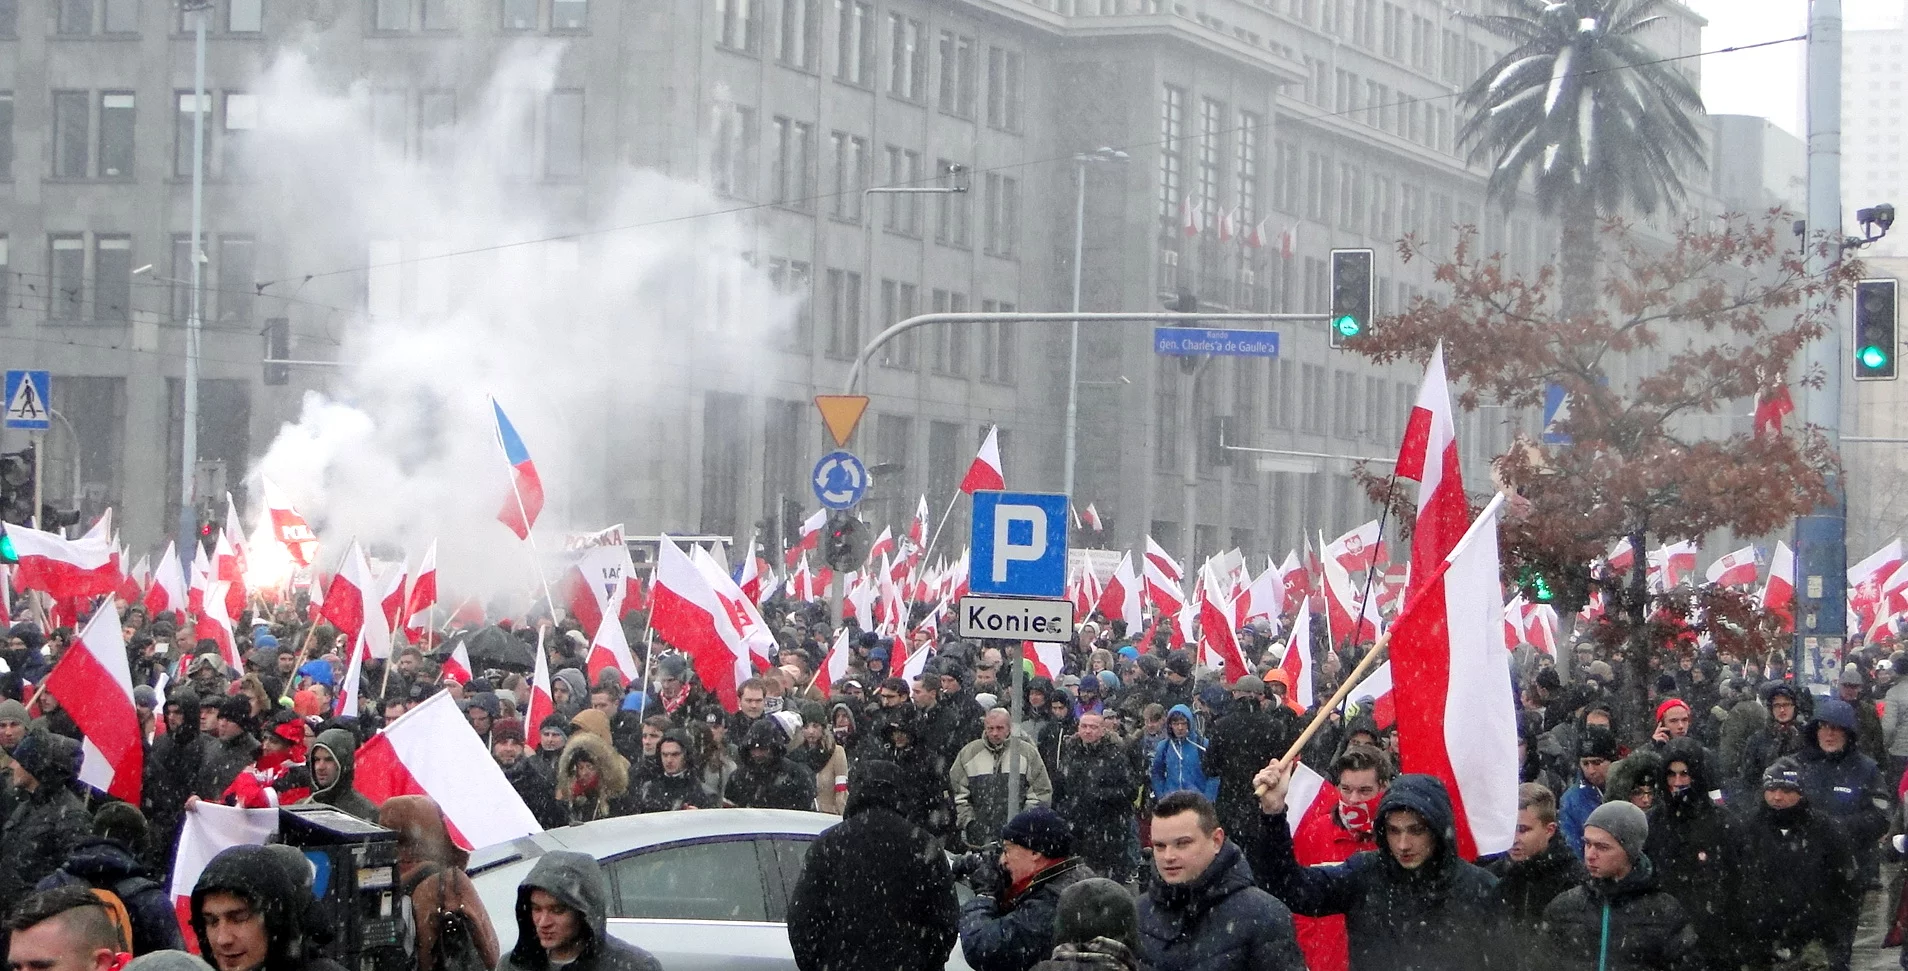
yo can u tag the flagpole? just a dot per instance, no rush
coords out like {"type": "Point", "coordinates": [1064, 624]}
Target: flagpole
{"type": "Point", "coordinates": [936, 538]}
{"type": "Point", "coordinates": [529, 535]}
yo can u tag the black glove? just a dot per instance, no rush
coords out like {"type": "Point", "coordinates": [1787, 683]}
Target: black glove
{"type": "Point", "coordinates": [987, 878]}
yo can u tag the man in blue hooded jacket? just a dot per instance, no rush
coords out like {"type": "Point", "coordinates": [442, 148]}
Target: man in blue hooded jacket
{"type": "Point", "coordinates": [1844, 784]}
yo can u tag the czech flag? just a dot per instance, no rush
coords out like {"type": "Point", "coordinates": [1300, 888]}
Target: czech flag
{"type": "Point", "coordinates": [525, 501]}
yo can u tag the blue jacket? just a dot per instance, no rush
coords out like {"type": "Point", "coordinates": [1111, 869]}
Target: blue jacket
{"type": "Point", "coordinates": [1844, 784]}
{"type": "Point", "coordinates": [1574, 809]}
{"type": "Point", "coordinates": [1176, 763]}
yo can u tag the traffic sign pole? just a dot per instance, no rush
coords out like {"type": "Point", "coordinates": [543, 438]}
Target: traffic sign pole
{"type": "Point", "coordinates": [39, 467]}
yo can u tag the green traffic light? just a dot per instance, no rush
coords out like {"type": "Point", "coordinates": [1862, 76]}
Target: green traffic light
{"type": "Point", "coordinates": [1347, 326]}
{"type": "Point", "coordinates": [1873, 357]}
{"type": "Point", "coordinates": [7, 554]}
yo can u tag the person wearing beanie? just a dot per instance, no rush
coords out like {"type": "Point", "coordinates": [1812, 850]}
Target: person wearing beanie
{"type": "Point", "coordinates": [1009, 924]}
{"type": "Point", "coordinates": [1672, 721]}
{"type": "Point", "coordinates": [168, 961]}
{"type": "Point", "coordinates": [1255, 731]}
{"type": "Point", "coordinates": [1204, 912]}
{"type": "Point", "coordinates": [49, 820]}
{"type": "Point", "coordinates": [553, 732]}
{"type": "Point", "coordinates": [1095, 929]}
{"type": "Point", "coordinates": [814, 747]}
{"type": "Point", "coordinates": [1617, 919]}
{"type": "Point", "coordinates": [109, 860]}
{"type": "Point", "coordinates": [1794, 892]}
{"type": "Point", "coordinates": [1852, 687]}
{"type": "Point", "coordinates": [13, 728]}
{"type": "Point", "coordinates": [233, 746]}
{"type": "Point", "coordinates": [1781, 736]}
{"type": "Point", "coordinates": [830, 922]}
{"type": "Point", "coordinates": [534, 780]}
{"type": "Point", "coordinates": [1596, 752]}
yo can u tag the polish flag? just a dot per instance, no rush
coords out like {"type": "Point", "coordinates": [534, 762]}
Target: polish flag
{"type": "Point", "coordinates": [423, 596]}
{"type": "Point", "coordinates": [94, 684]}
{"type": "Point", "coordinates": [6, 597]}
{"type": "Point", "coordinates": [215, 625]}
{"type": "Point", "coordinates": [1046, 656]}
{"type": "Point", "coordinates": [598, 582]}
{"type": "Point", "coordinates": [288, 526]}
{"type": "Point", "coordinates": [1255, 237]}
{"type": "Point", "coordinates": [609, 651]}
{"type": "Point", "coordinates": [738, 612]}
{"type": "Point", "coordinates": [1514, 622]}
{"type": "Point", "coordinates": [233, 532]}
{"type": "Point", "coordinates": [1736, 569]}
{"type": "Point", "coordinates": [1121, 598]}
{"type": "Point", "coordinates": [1162, 579]}
{"type": "Point", "coordinates": [1865, 580]}
{"type": "Point", "coordinates": [1376, 689]}
{"type": "Point", "coordinates": [1226, 226]}
{"type": "Point", "coordinates": [811, 537]}
{"type": "Point", "coordinates": [918, 526]}
{"type": "Point", "coordinates": [984, 474]}
{"type": "Point", "coordinates": [797, 588]}
{"type": "Point", "coordinates": [525, 501]}
{"type": "Point", "coordinates": [65, 568]}
{"type": "Point", "coordinates": [1671, 564]}
{"type": "Point", "coordinates": [348, 704]}
{"type": "Point", "coordinates": [457, 666]}
{"type": "Point", "coordinates": [431, 751]}
{"type": "Point", "coordinates": [1297, 583]}
{"type": "Point", "coordinates": [1307, 793]}
{"type": "Point", "coordinates": [860, 593]}
{"type": "Point", "coordinates": [167, 591]}
{"type": "Point", "coordinates": [1358, 549]}
{"type": "Point", "coordinates": [1456, 719]}
{"type": "Point", "coordinates": [1297, 661]}
{"type": "Point", "coordinates": [352, 604]}
{"type": "Point", "coordinates": [201, 576]}
{"type": "Point", "coordinates": [1263, 597]}
{"type": "Point", "coordinates": [132, 586]}
{"type": "Point", "coordinates": [1289, 241]}
{"type": "Point", "coordinates": [883, 546]}
{"type": "Point", "coordinates": [1352, 618]}
{"type": "Point", "coordinates": [1778, 592]}
{"type": "Point", "coordinates": [750, 578]}
{"type": "Point", "coordinates": [1622, 557]}
{"type": "Point", "coordinates": [314, 595]}
{"type": "Point", "coordinates": [834, 666]}
{"type": "Point", "coordinates": [1592, 608]}
{"type": "Point", "coordinates": [391, 595]}
{"type": "Point", "coordinates": [210, 829]}
{"type": "Point", "coordinates": [542, 702]}
{"type": "Point", "coordinates": [1167, 566]}
{"type": "Point", "coordinates": [1770, 409]}
{"type": "Point", "coordinates": [689, 615]}
{"type": "Point", "coordinates": [1192, 218]}
{"type": "Point", "coordinates": [1091, 518]}
{"type": "Point", "coordinates": [1218, 642]}
{"type": "Point", "coordinates": [227, 569]}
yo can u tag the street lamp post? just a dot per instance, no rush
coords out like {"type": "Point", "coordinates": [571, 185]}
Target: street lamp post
{"type": "Point", "coordinates": [189, 434]}
{"type": "Point", "coordinates": [1081, 162]}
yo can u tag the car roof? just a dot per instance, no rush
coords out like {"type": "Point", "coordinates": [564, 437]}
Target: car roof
{"type": "Point", "coordinates": [606, 838]}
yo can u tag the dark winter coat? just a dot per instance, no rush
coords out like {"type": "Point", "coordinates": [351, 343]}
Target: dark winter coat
{"type": "Point", "coordinates": [1845, 785]}
{"type": "Point", "coordinates": [1647, 930]}
{"type": "Point", "coordinates": [1094, 793]}
{"type": "Point", "coordinates": [831, 925]}
{"type": "Point", "coordinates": [174, 766]}
{"type": "Point", "coordinates": [1015, 935]}
{"type": "Point", "coordinates": [340, 795]}
{"type": "Point", "coordinates": [577, 881]}
{"type": "Point", "coordinates": [224, 760]}
{"type": "Point", "coordinates": [47, 823]}
{"type": "Point", "coordinates": [1527, 887]}
{"type": "Point", "coordinates": [261, 876]}
{"type": "Point", "coordinates": [1219, 921]}
{"type": "Point", "coordinates": [1443, 916]}
{"type": "Point", "coordinates": [924, 797]}
{"type": "Point", "coordinates": [775, 783]}
{"type": "Point", "coordinates": [1792, 880]}
{"type": "Point", "coordinates": [1772, 742]}
{"type": "Point", "coordinates": [1687, 845]}
{"type": "Point", "coordinates": [661, 793]}
{"type": "Point", "coordinates": [535, 782]}
{"type": "Point", "coordinates": [106, 864]}
{"type": "Point", "coordinates": [1099, 954]}
{"type": "Point", "coordinates": [1242, 744]}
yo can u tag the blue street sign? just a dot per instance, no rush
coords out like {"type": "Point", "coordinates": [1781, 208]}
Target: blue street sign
{"type": "Point", "coordinates": [29, 397]}
{"type": "Point", "coordinates": [1019, 544]}
{"type": "Point", "coordinates": [840, 480]}
{"type": "Point", "coordinates": [1556, 409]}
{"type": "Point", "coordinates": [1182, 341]}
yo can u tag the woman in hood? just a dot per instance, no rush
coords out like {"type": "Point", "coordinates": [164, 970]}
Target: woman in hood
{"type": "Point", "coordinates": [1176, 762]}
{"type": "Point", "coordinates": [817, 751]}
{"type": "Point", "coordinates": [431, 874]}
{"type": "Point", "coordinates": [845, 726]}
{"type": "Point", "coordinates": [592, 780]}
{"type": "Point", "coordinates": [569, 691]}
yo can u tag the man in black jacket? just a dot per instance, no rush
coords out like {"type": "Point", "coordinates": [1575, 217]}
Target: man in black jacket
{"type": "Point", "coordinates": [831, 924]}
{"type": "Point", "coordinates": [252, 912]}
{"type": "Point", "coordinates": [1618, 920]}
{"type": "Point", "coordinates": [534, 781]}
{"type": "Point", "coordinates": [764, 777]}
{"type": "Point", "coordinates": [1095, 793]}
{"type": "Point", "coordinates": [173, 769]}
{"type": "Point", "coordinates": [675, 784]}
{"type": "Point", "coordinates": [1412, 903]}
{"type": "Point", "coordinates": [1538, 868]}
{"type": "Point", "coordinates": [1011, 927]}
{"type": "Point", "coordinates": [49, 820]}
{"type": "Point", "coordinates": [1689, 836]}
{"type": "Point", "coordinates": [562, 921]}
{"type": "Point", "coordinates": [1241, 744]}
{"type": "Point", "coordinates": [1204, 914]}
{"type": "Point", "coordinates": [109, 860]}
{"type": "Point", "coordinates": [233, 747]}
{"type": "Point", "coordinates": [1793, 887]}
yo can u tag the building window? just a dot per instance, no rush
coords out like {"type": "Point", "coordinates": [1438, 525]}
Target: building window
{"type": "Point", "coordinates": [6, 133]}
{"type": "Point", "coordinates": [792, 173]}
{"type": "Point", "coordinates": [1211, 153]}
{"type": "Point", "coordinates": [739, 25]}
{"type": "Point", "coordinates": [997, 344]}
{"type": "Point", "coordinates": [1172, 135]}
{"type": "Point", "coordinates": [1245, 190]}
{"type": "Point", "coordinates": [74, 17]}
{"type": "Point", "coordinates": [241, 118]}
{"type": "Point", "coordinates": [189, 104]}
{"type": "Point", "coordinates": [436, 125]}
{"type": "Point", "coordinates": [116, 135]}
{"type": "Point", "coordinates": [732, 169]}
{"type": "Point", "coordinates": [898, 304]}
{"type": "Point", "coordinates": [1003, 89]}
{"type": "Point", "coordinates": [112, 279]}
{"type": "Point", "coordinates": [958, 81]}
{"type": "Point", "coordinates": [1002, 229]}
{"type": "Point", "coordinates": [563, 132]}
{"type": "Point", "coordinates": [948, 350]}
{"type": "Point", "coordinates": [569, 15]}
{"type": "Point", "coordinates": [121, 17]}
{"type": "Point", "coordinates": [392, 14]}
{"type": "Point", "coordinates": [181, 277]}
{"type": "Point", "coordinates": [795, 279]}
{"type": "Point", "coordinates": [907, 75]}
{"type": "Point", "coordinates": [953, 213]}
{"type": "Point", "coordinates": [801, 25]}
{"type": "Point", "coordinates": [844, 313]}
{"type": "Point", "coordinates": [66, 259]}
{"type": "Point", "coordinates": [904, 208]}
{"type": "Point", "coordinates": [851, 175]}
{"type": "Point", "coordinates": [238, 279]}
{"type": "Point", "coordinates": [244, 16]}
{"type": "Point", "coordinates": [9, 17]}
{"type": "Point", "coordinates": [854, 42]}
{"type": "Point", "coordinates": [70, 134]}
{"type": "Point", "coordinates": [520, 14]}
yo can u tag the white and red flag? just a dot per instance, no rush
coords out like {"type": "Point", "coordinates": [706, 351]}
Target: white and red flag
{"type": "Point", "coordinates": [352, 604]}
{"type": "Point", "coordinates": [883, 546]}
{"type": "Point", "coordinates": [1192, 216]}
{"type": "Point", "coordinates": [810, 538]}
{"type": "Point", "coordinates": [132, 585]}
{"type": "Point", "coordinates": [1737, 569]}
{"type": "Point", "coordinates": [1770, 409]}
{"type": "Point", "coordinates": [1045, 655]}
{"type": "Point", "coordinates": [215, 625]}
{"type": "Point", "coordinates": [1163, 579]}
{"type": "Point", "coordinates": [985, 473]}
{"type": "Point", "coordinates": [1121, 598]}
{"type": "Point", "coordinates": [226, 569]}
{"type": "Point", "coordinates": [1090, 518]}
{"type": "Point", "coordinates": [167, 591]}
{"type": "Point", "coordinates": [431, 751]}
{"type": "Point", "coordinates": [1622, 557]}
{"type": "Point", "coordinates": [609, 651]}
{"type": "Point", "coordinates": [1352, 617]}
{"type": "Point", "coordinates": [423, 596]}
{"type": "Point", "coordinates": [1671, 564]}
{"type": "Point", "coordinates": [1218, 642]}
{"type": "Point", "coordinates": [1778, 592]}
{"type": "Point", "coordinates": [93, 683]}
{"type": "Point", "coordinates": [391, 596]}
{"type": "Point", "coordinates": [738, 611]}
{"type": "Point", "coordinates": [598, 580]}
{"type": "Point", "coordinates": [687, 613]}
{"type": "Point", "coordinates": [1297, 583]}
{"type": "Point", "coordinates": [750, 579]}
{"type": "Point", "coordinates": [1540, 627]}
{"type": "Point", "coordinates": [65, 569]}
{"type": "Point", "coordinates": [1359, 548]}
{"type": "Point", "coordinates": [1263, 596]}
{"type": "Point", "coordinates": [542, 702]}
{"type": "Point", "coordinates": [1297, 661]}
{"type": "Point", "coordinates": [1865, 581]}
{"type": "Point", "coordinates": [207, 830]}
{"type": "Point", "coordinates": [349, 702]}
{"type": "Point", "coordinates": [834, 666]}
{"type": "Point", "coordinates": [1289, 241]}
{"type": "Point", "coordinates": [288, 525]}
{"type": "Point", "coordinates": [456, 667]}
{"type": "Point", "coordinates": [1255, 237]}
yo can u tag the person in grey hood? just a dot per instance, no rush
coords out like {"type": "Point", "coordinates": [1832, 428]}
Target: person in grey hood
{"type": "Point", "coordinates": [578, 691]}
{"type": "Point", "coordinates": [560, 921]}
{"type": "Point", "coordinates": [333, 763]}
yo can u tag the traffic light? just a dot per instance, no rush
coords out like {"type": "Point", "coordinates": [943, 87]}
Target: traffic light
{"type": "Point", "coordinates": [1875, 343]}
{"type": "Point", "coordinates": [1351, 287]}
{"type": "Point", "coordinates": [8, 554]}
{"type": "Point", "coordinates": [1185, 302]}
{"type": "Point", "coordinates": [277, 348]}
{"type": "Point", "coordinates": [1535, 586]}
{"type": "Point", "coordinates": [16, 486]}
{"type": "Point", "coordinates": [844, 543]}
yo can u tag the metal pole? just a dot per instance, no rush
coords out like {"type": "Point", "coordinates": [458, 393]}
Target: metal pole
{"type": "Point", "coordinates": [1821, 537]}
{"type": "Point", "coordinates": [1073, 346]}
{"type": "Point", "coordinates": [1016, 709]}
{"type": "Point", "coordinates": [70, 433]}
{"type": "Point", "coordinates": [39, 479]}
{"type": "Point", "coordinates": [189, 434]}
{"type": "Point", "coordinates": [1189, 465]}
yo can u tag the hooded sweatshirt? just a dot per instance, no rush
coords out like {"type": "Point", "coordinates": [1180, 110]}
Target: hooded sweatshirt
{"type": "Point", "coordinates": [46, 823]}
{"type": "Point", "coordinates": [265, 879]}
{"type": "Point", "coordinates": [774, 782]}
{"type": "Point", "coordinates": [1178, 762]}
{"type": "Point", "coordinates": [342, 746]}
{"type": "Point", "coordinates": [174, 767]}
{"type": "Point", "coordinates": [577, 882]}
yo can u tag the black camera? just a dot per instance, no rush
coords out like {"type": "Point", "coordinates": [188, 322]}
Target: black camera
{"type": "Point", "coordinates": [980, 869]}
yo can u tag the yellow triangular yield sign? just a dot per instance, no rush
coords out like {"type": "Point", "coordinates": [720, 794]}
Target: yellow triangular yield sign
{"type": "Point", "coordinates": [841, 413]}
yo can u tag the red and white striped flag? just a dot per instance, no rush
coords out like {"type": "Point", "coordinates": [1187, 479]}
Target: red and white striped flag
{"type": "Point", "coordinates": [1219, 643]}
{"type": "Point", "coordinates": [1192, 216]}
{"type": "Point", "coordinates": [542, 702]}
{"type": "Point", "coordinates": [167, 591]}
{"type": "Point", "coordinates": [609, 651]}
{"type": "Point", "coordinates": [289, 526]}
{"type": "Point", "coordinates": [209, 829]}
{"type": "Point", "coordinates": [688, 614]}
{"type": "Point", "coordinates": [985, 474]}
{"type": "Point", "coordinates": [457, 666]}
{"type": "Point", "coordinates": [423, 596]}
{"type": "Point", "coordinates": [834, 666]}
{"type": "Point", "coordinates": [93, 683]}
{"type": "Point", "coordinates": [350, 703]}
{"type": "Point", "coordinates": [431, 751]}
{"type": "Point", "coordinates": [1778, 592]}
{"type": "Point", "coordinates": [65, 569]}
{"type": "Point", "coordinates": [1297, 661]}
{"type": "Point", "coordinates": [1122, 599]}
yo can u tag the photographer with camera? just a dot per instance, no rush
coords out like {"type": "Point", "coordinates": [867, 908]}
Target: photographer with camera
{"type": "Point", "coordinates": [1009, 925]}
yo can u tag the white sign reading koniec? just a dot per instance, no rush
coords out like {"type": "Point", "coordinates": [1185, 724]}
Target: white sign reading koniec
{"type": "Point", "coordinates": [1017, 618]}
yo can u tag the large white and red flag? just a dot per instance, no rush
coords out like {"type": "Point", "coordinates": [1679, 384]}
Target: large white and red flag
{"type": "Point", "coordinates": [352, 604]}
{"type": "Point", "coordinates": [1736, 569]}
{"type": "Point", "coordinates": [1297, 661]}
{"type": "Point", "coordinates": [985, 474]}
{"type": "Point", "coordinates": [93, 683]}
{"type": "Point", "coordinates": [738, 612]}
{"type": "Point", "coordinates": [288, 525]}
{"type": "Point", "coordinates": [834, 666]}
{"type": "Point", "coordinates": [66, 569]}
{"type": "Point", "coordinates": [687, 613]}
{"type": "Point", "coordinates": [598, 579]}
{"type": "Point", "coordinates": [167, 591]}
{"type": "Point", "coordinates": [215, 625]}
{"type": "Point", "coordinates": [1219, 643]}
{"type": "Point", "coordinates": [1865, 580]}
{"type": "Point", "coordinates": [1121, 598]}
{"type": "Point", "coordinates": [207, 830]}
{"type": "Point", "coordinates": [1263, 596]}
{"type": "Point", "coordinates": [1778, 592]}
{"type": "Point", "coordinates": [542, 702]}
{"type": "Point", "coordinates": [609, 651]}
{"type": "Point", "coordinates": [431, 751]}
{"type": "Point", "coordinates": [423, 596]}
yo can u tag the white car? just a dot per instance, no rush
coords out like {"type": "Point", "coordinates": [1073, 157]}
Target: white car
{"type": "Point", "coordinates": [699, 889]}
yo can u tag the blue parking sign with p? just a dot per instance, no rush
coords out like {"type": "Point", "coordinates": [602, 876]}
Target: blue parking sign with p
{"type": "Point", "coordinates": [1019, 544]}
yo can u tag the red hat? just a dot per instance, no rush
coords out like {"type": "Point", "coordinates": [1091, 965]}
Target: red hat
{"type": "Point", "coordinates": [1668, 703]}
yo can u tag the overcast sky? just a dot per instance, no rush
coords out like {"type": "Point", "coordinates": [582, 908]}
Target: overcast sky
{"type": "Point", "coordinates": [1768, 81]}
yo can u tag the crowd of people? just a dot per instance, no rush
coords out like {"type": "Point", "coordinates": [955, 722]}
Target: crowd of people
{"type": "Point", "coordinates": [1135, 815]}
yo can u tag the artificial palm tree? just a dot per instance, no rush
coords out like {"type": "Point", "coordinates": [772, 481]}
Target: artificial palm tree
{"type": "Point", "coordinates": [1590, 113]}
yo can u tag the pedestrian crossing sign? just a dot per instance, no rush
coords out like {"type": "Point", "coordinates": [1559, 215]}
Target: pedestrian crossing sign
{"type": "Point", "coordinates": [28, 395]}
